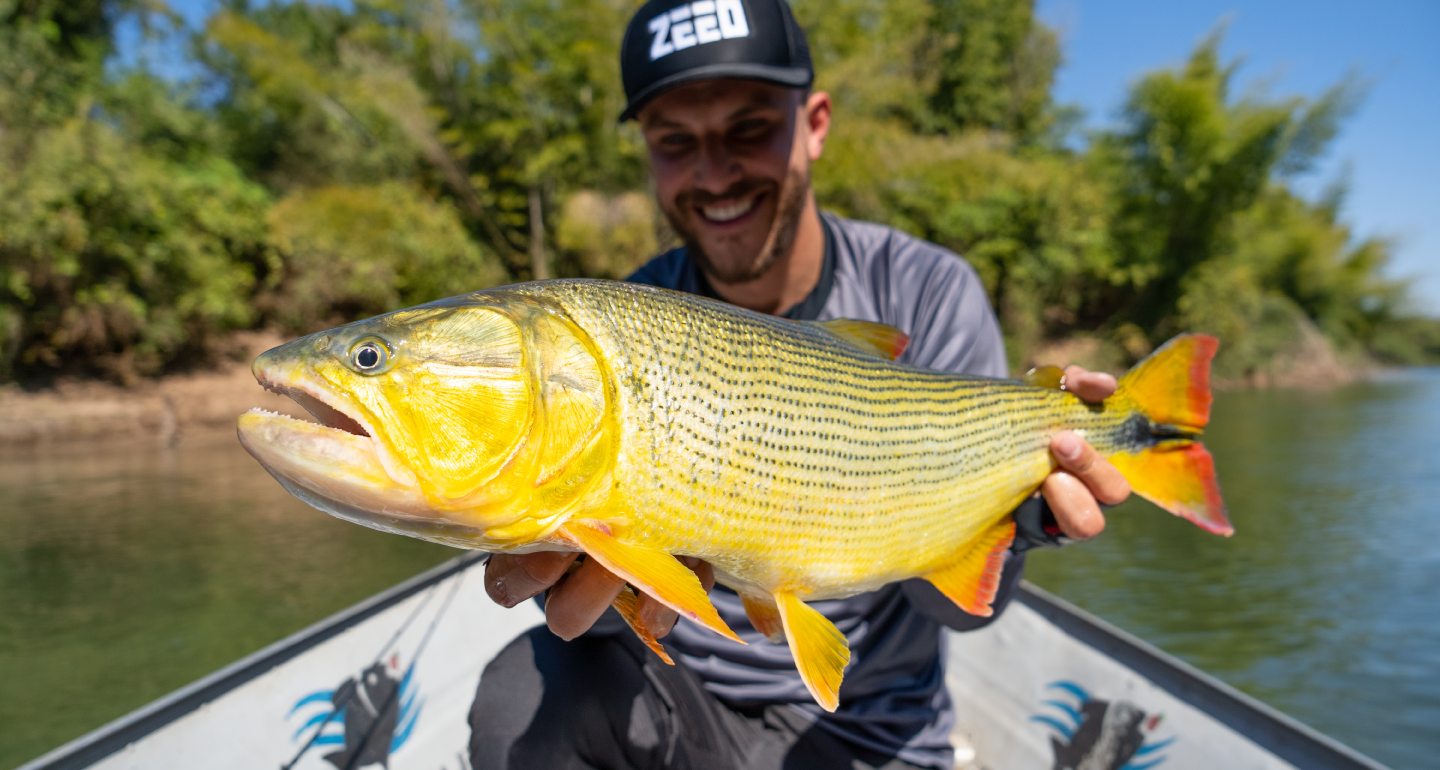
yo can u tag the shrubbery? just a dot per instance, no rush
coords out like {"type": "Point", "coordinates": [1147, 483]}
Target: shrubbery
{"type": "Point", "coordinates": [329, 163]}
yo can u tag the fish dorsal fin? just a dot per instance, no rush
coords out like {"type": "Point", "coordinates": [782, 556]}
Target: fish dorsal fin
{"type": "Point", "coordinates": [1052, 377]}
{"type": "Point", "coordinates": [628, 605]}
{"type": "Point", "coordinates": [653, 572]}
{"type": "Point", "coordinates": [820, 650]}
{"type": "Point", "coordinates": [764, 616]}
{"type": "Point", "coordinates": [875, 339]}
{"type": "Point", "coordinates": [972, 580]}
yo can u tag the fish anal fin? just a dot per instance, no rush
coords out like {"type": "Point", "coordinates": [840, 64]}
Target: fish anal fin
{"type": "Point", "coordinates": [651, 571]}
{"type": "Point", "coordinates": [972, 580]}
{"type": "Point", "coordinates": [628, 605]}
{"type": "Point", "coordinates": [1180, 479]}
{"type": "Point", "coordinates": [765, 617]}
{"type": "Point", "coordinates": [876, 339]}
{"type": "Point", "coordinates": [820, 650]}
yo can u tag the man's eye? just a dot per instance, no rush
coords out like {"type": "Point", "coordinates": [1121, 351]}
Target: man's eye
{"type": "Point", "coordinates": [748, 129]}
{"type": "Point", "coordinates": [676, 141]}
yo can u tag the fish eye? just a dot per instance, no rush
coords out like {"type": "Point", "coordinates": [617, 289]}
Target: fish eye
{"type": "Point", "coordinates": [370, 356]}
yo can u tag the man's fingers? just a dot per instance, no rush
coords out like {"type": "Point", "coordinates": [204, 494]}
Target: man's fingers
{"type": "Point", "coordinates": [577, 601]}
{"type": "Point", "coordinates": [1074, 507]}
{"type": "Point", "coordinates": [1076, 455]}
{"type": "Point", "coordinates": [1093, 387]}
{"type": "Point", "coordinates": [511, 579]}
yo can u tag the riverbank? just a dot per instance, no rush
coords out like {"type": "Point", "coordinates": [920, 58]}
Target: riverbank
{"type": "Point", "coordinates": [161, 411]}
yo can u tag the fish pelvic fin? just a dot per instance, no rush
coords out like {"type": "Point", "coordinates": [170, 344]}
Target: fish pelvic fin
{"type": "Point", "coordinates": [628, 605]}
{"type": "Point", "coordinates": [651, 571]}
{"type": "Point", "coordinates": [1171, 387]}
{"type": "Point", "coordinates": [868, 336]}
{"type": "Point", "coordinates": [973, 580]}
{"type": "Point", "coordinates": [820, 650]}
{"type": "Point", "coordinates": [764, 616]}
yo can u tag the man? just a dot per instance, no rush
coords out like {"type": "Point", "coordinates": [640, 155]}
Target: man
{"type": "Point", "coordinates": [721, 91]}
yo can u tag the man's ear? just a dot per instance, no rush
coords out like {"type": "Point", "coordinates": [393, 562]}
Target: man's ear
{"type": "Point", "coordinates": [817, 120]}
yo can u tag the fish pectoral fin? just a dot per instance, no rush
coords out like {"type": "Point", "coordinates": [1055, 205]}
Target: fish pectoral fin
{"type": "Point", "coordinates": [653, 572]}
{"type": "Point", "coordinates": [868, 336]}
{"type": "Point", "coordinates": [628, 605]}
{"type": "Point", "coordinates": [764, 616]}
{"type": "Point", "coordinates": [972, 580]}
{"type": "Point", "coordinates": [820, 650]}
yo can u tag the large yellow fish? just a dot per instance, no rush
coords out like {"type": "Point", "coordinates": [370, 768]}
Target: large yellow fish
{"type": "Point", "coordinates": [637, 424]}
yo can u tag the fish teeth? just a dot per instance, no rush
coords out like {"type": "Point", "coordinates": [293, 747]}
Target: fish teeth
{"type": "Point", "coordinates": [266, 412]}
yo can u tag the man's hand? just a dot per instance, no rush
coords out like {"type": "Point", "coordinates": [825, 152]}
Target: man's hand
{"type": "Point", "coordinates": [578, 596]}
{"type": "Point", "coordinates": [1084, 479]}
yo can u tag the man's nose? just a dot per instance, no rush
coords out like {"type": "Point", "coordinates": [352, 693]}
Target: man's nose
{"type": "Point", "coordinates": [718, 169]}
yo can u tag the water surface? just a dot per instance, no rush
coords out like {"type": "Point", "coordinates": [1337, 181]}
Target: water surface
{"type": "Point", "coordinates": [130, 571]}
{"type": "Point", "coordinates": [1324, 603]}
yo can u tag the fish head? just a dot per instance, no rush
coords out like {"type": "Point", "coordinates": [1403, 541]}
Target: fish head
{"type": "Point", "coordinates": [480, 421]}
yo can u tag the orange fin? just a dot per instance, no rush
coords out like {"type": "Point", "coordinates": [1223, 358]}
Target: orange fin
{"type": "Point", "coordinates": [656, 573]}
{"type": "Point", "coordinates": [765, 617]}
{"type": "Point", "coordinates": [1052, 377]}
{"type": "Point", "coordinates": [1172, 385]}
{"type": "Point", "coordinates": [972, 580]}
{"type": "Point", "coordinates": [1171, 388]}
{"type": "Point", "coordinates": [820, 650]}
{"type": "Point", "coordinates": [1178, 476]}
{"type": "Point", "coordinates": [876, 339]}
{"type": "Point", "coordinates": [627, 604]}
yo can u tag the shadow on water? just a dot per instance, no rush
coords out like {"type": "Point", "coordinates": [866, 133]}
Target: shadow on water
{"type": "Point", "coordinates": [1323, 603]}
{"type": "Point", "coordinates": [128, 572]}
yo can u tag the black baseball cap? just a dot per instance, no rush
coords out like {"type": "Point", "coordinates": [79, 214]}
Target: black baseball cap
{"type": "Point", "coordinates": [670, 43]}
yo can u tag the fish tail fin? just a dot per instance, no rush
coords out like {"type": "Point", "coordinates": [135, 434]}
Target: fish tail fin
{"type": "Point", "coordinates": [1171, 388]}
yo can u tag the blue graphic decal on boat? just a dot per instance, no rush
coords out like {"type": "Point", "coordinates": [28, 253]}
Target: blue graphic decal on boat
{"type": "Point", "coordinates": [1093, 733]}
{"type": "Point", "coordinates": [365, 719]}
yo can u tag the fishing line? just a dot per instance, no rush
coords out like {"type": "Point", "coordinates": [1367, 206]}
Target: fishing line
{"type": "Point", "coordinates": [339, 707]}
{"type": "Point", "coordinates": [390, 699]}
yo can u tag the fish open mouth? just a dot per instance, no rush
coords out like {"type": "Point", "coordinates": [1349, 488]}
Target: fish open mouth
{"type": "Point", "coordinates": [326, 414]}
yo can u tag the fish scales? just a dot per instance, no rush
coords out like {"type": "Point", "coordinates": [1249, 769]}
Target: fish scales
{"type": "Point", "coordinates": [775, 444]}
{"type": "Point", "coordinates": [636, 424]}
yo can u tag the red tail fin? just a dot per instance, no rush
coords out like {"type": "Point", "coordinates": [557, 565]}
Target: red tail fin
{"type": "Point", "coordinates": [1172, 388]}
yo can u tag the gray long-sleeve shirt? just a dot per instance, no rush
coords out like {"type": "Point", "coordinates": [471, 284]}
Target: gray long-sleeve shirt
{"type": "Point", "coordinates": [893, 698]}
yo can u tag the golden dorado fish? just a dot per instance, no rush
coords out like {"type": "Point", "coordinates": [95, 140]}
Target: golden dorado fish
{"type": "Point", "coordinates": [637, 424]}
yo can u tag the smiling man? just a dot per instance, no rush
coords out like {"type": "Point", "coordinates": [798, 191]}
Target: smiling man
{"type": "Point", "coordinates": [721, 90]}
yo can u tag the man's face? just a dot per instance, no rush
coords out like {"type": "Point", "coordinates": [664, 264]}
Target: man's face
{"type": "Point", "coordinates": [731, 160]}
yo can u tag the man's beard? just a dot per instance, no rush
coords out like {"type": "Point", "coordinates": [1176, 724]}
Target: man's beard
{"type": "Point", "coordinates": [783, 230]}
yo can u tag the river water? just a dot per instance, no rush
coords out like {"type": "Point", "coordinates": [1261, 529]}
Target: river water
{"type": "Point", "coordinates": [129, 571]}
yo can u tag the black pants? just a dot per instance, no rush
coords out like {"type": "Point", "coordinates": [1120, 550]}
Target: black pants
{"type": "Point", "coordinates": [609, 703]}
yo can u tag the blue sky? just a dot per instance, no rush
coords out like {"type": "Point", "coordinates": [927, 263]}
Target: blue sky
{"type": "Point", "coordinates": [1388, 149]}
{"type": "Point", "coordinates": [1389, 146]}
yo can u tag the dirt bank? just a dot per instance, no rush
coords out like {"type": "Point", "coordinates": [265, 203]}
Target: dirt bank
{"type": "Point", "coordinates": [161, 410]}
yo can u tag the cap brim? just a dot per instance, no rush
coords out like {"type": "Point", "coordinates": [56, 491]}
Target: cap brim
{"type": "Point", "coordinates": [794, 77]}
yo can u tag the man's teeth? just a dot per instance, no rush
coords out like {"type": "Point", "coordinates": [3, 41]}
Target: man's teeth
{"type": "Point", "coordinates": [727, 213]}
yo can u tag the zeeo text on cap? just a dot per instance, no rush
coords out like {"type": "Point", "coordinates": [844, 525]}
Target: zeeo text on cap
{"type": "Point", "coordinates": [668, 44]}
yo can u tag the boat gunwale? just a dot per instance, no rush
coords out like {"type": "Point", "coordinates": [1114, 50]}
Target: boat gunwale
{"type": "Point", "coordinates": [1264, 725]}
{"type": "Point", "coordinates": [1269, 728]}
{"type": "Point", "coordinates": [115, 735]}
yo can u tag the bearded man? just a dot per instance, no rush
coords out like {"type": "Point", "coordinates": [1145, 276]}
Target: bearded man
{"type": "Point", "coordinates": [721, 91]}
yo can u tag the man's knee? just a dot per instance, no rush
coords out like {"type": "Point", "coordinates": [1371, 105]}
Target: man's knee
{"type": "Point", "coordinates": [547, 700]}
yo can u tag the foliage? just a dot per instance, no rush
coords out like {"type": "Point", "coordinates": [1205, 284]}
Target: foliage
{"type": "Point", "coordinates": [331, 162]}
{"type": "Point", "coordinates": [352, 251]}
